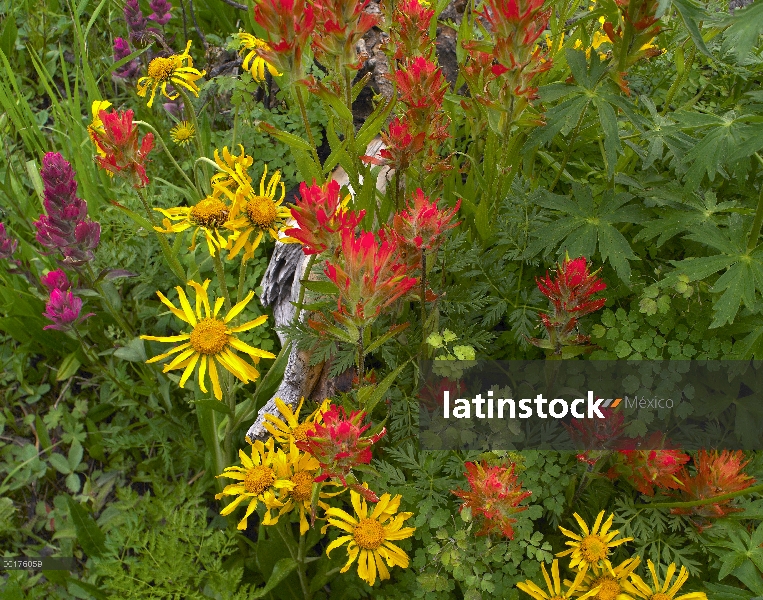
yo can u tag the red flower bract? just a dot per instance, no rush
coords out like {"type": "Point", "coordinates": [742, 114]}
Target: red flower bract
{"type": "Point", "coordinates": [290, 25]}
{"type": "Point", "coordinates": [369, 277]}
{"type": "Point", "coordinates": [645, 469]}
{"type": "Point", "coordinates": [124, 156]}
{"type": "Point", "coordinates": [573, 285]}
{"type": "Point", "coordinates": [321, 217]}
{"type": "Point", "coordinates": [716, 474]}
{"type": "Point", "coordinates": [495, 494]}
{"type": "Point", "coordinates": [338, 443]}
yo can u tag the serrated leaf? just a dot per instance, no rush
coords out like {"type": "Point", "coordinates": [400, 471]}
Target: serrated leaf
{"type": "Point", "coordinates": [133, 351]}
{"type": "Point", "coordinates": [89, 535]}
{"type": "Point", "coordinates": [59, 463]}
{"type": "Point", "coordinates": [74, 458]}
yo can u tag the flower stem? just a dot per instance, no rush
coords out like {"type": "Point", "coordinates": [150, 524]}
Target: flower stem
{"type": "Point", "coordinates": [220, 270]}
{"type": "Point", "coordinates": [112, 311]}
{"type": "Point", "coordinates": [308, 129]}
{"type": "Point", "coordinates": [750, 490]}
{"type": "Point", "coordinates": [241, 280]}
{"type": "Point", "coordinates": [169, 154]}
{"type": "Point", "coordinates": [301, 567]}
{"type": "Point", "coordinates": [171, 260]}
{"type": "Point", "coordinates": [571, 143]}
{"type": "Point", "coordinates": [191, 112]}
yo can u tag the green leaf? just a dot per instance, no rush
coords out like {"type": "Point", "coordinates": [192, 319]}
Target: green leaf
{"type": "Point", "coordinates": [369, 396]}
{"type": "Point", "coordinates": [321, 287]}
{"type": "Point", "coordinates": [59, 463]}
{"type": "Point", "coordinates": [280, 571]}
{"type": "Point", "coordinates": [89, 535]}
{"type": "Point", "coordinates": [87, 588]}
{"type": "Point", "coordinates": [74, 457]}
{"type": "Point", "coordinates": [744, 29]}
{"type": "Point", "coordinates": [691, 14]}
{"type": "Point", "coordinates": [42, 433]}
{"type": "Point", "coordinates": [9, 34]}
{"type": "Point", "coordinates": [215, 405]}
{"type": "Point", "coordinates": [133, 351]}
{"type": "Point", "coordinates": [68, 367]}
{"type": "Point", "coordinates": [612, 145]}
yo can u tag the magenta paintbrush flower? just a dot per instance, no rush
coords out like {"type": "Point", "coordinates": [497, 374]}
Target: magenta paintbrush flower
{"type": "Point", "coordinates": [56, 280]}
{"type": "Point", "coordinates": [122, 50]}
{"type": "Point", "coordinates": [161, 11]}
{"type": "Point", "coordinates": [66, 226]}
{"type": "Point", "coordinates": [64, 309]}
{"type": "Point", "coordinates": [8, 244]}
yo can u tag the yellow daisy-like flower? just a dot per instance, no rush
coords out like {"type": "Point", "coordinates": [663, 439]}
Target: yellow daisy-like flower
{"type": "Point", "coordinates": [212, 340]}
{"type": "Point", "coordinates": [302, 470]}
{"type": "Point", "coordinates": [371, 535]}
{"type": "Point", "coordinates": [234, 170]}
{"type": "Point", "coordinates": [610, 581]}
{"type": "Point", "coordinates": [182, 133]}
{"type": "Point", "coordinates": [253, 62]}
{"type": "Point", "coordinates": [97, 125]}
{"type": "Point", "coordinates": [289, 428]}
{"type": "Point", "coordinates": [259, 478]}
{"type": "Point", "coordinates": [592, 548]}
{"type": "Point", "coordinates": [555, 586]}
{"type": "Point", "coordinates": [208, 215]}
{"type": "Point", "coordinates": [176, 69]}
{"type": "Point", "coordinates": [254, 214]}
{"type": "Point", "coordinates": [640, 589]}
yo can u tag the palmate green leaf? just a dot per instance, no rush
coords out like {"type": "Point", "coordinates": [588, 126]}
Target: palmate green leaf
{"type": "Point", "coordinates": [745, 27]}
{"type": "Point", "coordinates": [612, 145]}
{"type": "Point", "coordinates": [660, 133]}
{"type": "Point", "coordinates": [744, 269]}
{"type": "Point", "coordinates": [588, 224]}
{"type": "Point", "coordinates": [678, 216]}
{"type": "Point", "coordinates": [720, 147]}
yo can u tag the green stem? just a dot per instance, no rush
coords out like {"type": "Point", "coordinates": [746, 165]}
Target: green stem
{"type": "Point", "coordinates": [192, 116]}
{"type": "Point", "coordinates": [301, 567]}
{"type": "Point", "coordinates": [571, 143]}
{"type": "Point", "coordinates": [241, 280]}
{"type": "Point", "coordinates": [715, 499]}
{"type": "Point", "coordinates": [169, 155]}
{"type": "Point", "coordinates": [308, 129]}
{"type": "Point", "coordinates": [679, 80]}
{"type": "Point", "coordinates": [423, 295]}
{"type": "Point", "coordinates": [171, 260]}
{"type": "Point", "coordinates": [361, 356]}
{"type": "Point", "coordinates": [758, 220]}
{"type": "Point", "coordinates": [220, 270]}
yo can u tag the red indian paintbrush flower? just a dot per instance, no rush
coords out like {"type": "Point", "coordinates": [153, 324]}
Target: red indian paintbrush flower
{"type": "Point", "coordinates": [290, 25]}
{"type": "Point", "coordinates": [321, 215]}
{"type": "Point", "coordinates": [423, 224]}
{"type": "Point", "coordinates": [64, 308]}
{"type": "Point", "coordinates": [495, 494]}
{"type": "Point", "coordinates": [411, 36]}
{"type": "Point", "coordinates": [402, 145]}
{"type": "Point", "coordinates": [645, 469]}
{"type": "Point", "coordinates": [570, 294]}
{"type": "Point", "coordinates": [422, 84]}
{"type": "Point", "coordinates": [340, 25]}
{"type": "Point", "coordinates": [123, 155]}
{"type": "Point", "coordinates": [369, 278]}
{"type": "Point", "coordinates": [338, 443]}
{"type": "Point", "coordinates": [715, 475]}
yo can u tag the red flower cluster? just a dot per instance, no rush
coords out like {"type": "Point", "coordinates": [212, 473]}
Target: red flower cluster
{"type": "Point", "coordinates": [119, 142]}
{"type": "Point", "coordinates": [501, 73]}
{"type": "Point", "coordinates": [715, 474]}
{"type": "Point", "coordinates": [645, 469]}
{"type": "Point", "coordinates": [340, 25]}
{"type": "Point", "coordinates": [321, 217]}
{"type": "Point", "coordinates": [421, 227]}
{"type": "Point", "coordinates": [290, 26]}
{"type": "Point", "coordinates": [420, 131]}
{"type": "Point", "coordinates": [569, 292]}
{"type": "Point", "coordinates": [495, 495]}
{"type": "Point", "coordinates": [596, 435]}
{"type": "Point", "coordinates": [370, 278]}
{"type": "Point", "coordinates": [338, 443]}
{"type": "Point", "coordinates": [411, 36]}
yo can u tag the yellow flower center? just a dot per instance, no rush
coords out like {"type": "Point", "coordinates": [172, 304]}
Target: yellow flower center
{"type": "Point", "coordinates": [210, 213]}
{"type": "Point", "coordinates": [369, 534]}
{"type": "Point", "coordinates": [161, 69]}
{"type": "Point", "coordinates": [300, 431]}
{"type": "Point", "coordinates": [609, 588]}
{"type": "Point", "coordinates": [209, 336]}
{"type": "Point", "coordinates": [660, 596]}
{"type": "Point", "coordinates": [593, 549]}
{"type": "Point", "coordinates": [303, 486]}
{"type": "Point", "coordinates": [182, 133]}
{"type": "Point", "coordinates": [261, 211]}
{"type": "Point", "coordinates": [258, 479]}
